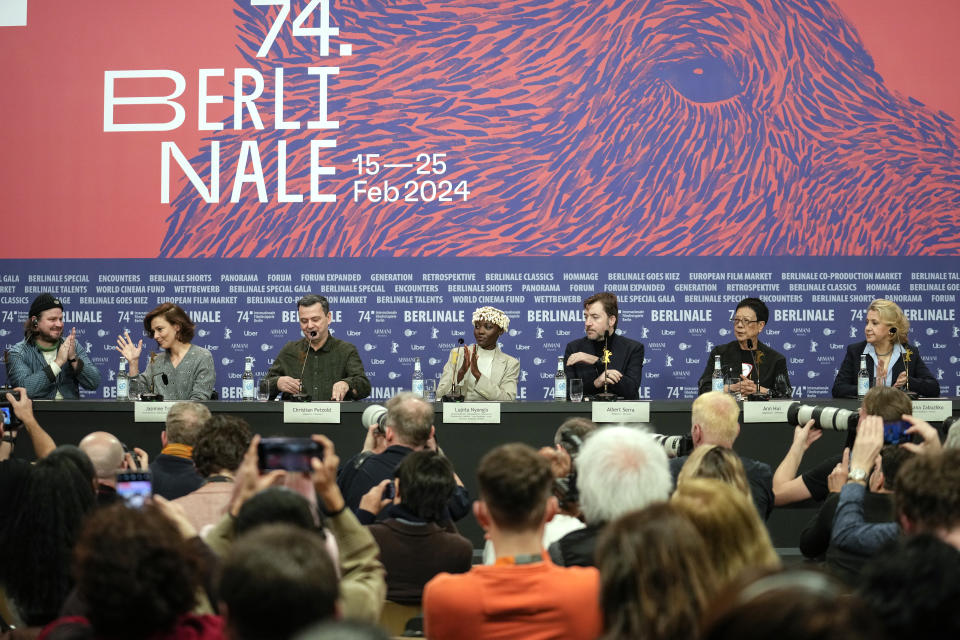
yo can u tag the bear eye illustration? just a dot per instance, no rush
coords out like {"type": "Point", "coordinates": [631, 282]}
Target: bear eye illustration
{"type": "Point", "coordinates": [702, 79]}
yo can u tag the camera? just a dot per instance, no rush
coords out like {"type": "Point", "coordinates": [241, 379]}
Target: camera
{"type": "Point", "coordinates": [675, 446]}
{"type": "Point", "coordinates": [10, 419]}
{"type": "Point", "coordinates": [289, 454]}
{"type": "Point", "coordinates": [823, 418]}
{"type": "Point", "coordinates": [375, 414]}
{"type": "Point", "coordinates": [837, 419]}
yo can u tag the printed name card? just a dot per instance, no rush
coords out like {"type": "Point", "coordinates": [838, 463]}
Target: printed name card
{"type": "Point", "coordinates": [312, 412]}
{"type": "Point", "coordinates": [471, 413]}
{"type": "Point", "coordinates": [620, 411]}
{"type": "Point", "coordinates": [937, 409]}
{"type": "Point", "coordinates": [151, 411]}
{"type": "Point", "coordinates": [766, 411]}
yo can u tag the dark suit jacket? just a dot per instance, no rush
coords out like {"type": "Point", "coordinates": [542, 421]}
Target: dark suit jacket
{"type": "Point", "coordinates": [771, 364]}
{"type": "Point", "coordinates": [920, 378]}
{"type": "Point", "coordinates": [627, 358]}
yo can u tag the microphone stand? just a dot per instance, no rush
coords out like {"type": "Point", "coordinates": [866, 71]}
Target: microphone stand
{"type": "Point", "coordinates": [153, 396]}
{"type": "Point", "coordinates": [913, 395]}
{"type": "Point", "coordinates": [455, 394]}
{"type": "Point", "coordinates": [756, 395]}
{"type": "Point", "coordinates": [605, 396]}
{"type": "Point", "coordinates": [301, 396]}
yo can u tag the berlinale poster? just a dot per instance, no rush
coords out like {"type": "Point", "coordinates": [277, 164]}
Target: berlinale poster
{"type": "Point", "coordinates": [415, 160]}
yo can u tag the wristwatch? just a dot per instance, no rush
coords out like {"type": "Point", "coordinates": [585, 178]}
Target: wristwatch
{"type": "Point", "coordinates": [857, 475]}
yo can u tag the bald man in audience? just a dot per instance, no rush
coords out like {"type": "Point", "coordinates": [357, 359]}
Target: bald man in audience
{"type": "Point", "coordinates": [107, 455]}
{"type": "Point", "coordinates": [714, 420]}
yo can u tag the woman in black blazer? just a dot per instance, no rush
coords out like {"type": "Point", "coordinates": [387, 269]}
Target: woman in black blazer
{"type": "Point", "coordinates": [891, 360]}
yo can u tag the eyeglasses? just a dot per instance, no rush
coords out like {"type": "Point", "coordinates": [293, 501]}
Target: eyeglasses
{"type": "Point", "coordinates": [738, 320]}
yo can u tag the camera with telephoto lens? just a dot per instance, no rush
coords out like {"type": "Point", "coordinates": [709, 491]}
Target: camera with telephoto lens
{"type": "Point", "coordinates": [824, 418]}
{"type": "Point", "coordinates": [836, 419]}
{"type": "Point", "coordinates": [375, 414]}
{"type": "Point", "coordinates": [675, 446]}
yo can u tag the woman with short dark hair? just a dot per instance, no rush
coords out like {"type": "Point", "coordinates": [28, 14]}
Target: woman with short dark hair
{"type": "Point", "coordinates": [182, 371]}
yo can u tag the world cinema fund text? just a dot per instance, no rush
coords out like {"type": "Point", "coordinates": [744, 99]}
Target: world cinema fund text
{"type": "Point", "coordinates": [249, 86]}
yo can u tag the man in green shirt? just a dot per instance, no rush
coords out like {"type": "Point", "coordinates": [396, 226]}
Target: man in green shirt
{"type": "Point", "coordinates": [318, 365]}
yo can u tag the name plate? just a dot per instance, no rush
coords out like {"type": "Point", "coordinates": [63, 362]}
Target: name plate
{"type": "Point", "coordinates": [312, 412]}
{"type": "Point", "coordinates": [766, 411]}
{"type": "Point", "coordinates": [471, 413]}
{"type": "Point", "coordinates": [620, 412]}
{"type": "Point", "coordinates": [938, 409]}
{"type": "Point", "coordinates": [151, 411]}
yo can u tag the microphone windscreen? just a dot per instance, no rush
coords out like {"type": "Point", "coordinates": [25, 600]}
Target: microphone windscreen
{"type": "Point", "coordinates": [749, 343]}
{"type": "Point", "coordinates": [165, 379]}
{"type": "Point", "coordinates": [460, 342]}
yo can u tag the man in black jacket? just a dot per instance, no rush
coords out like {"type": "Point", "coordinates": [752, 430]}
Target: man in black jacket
{"type": "Point", "coordinates": [603, 356]}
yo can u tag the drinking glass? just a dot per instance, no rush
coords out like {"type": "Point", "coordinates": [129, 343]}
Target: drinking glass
{"type": "Point", "coordinates": [430, 389]}
{"type": "Point", "coordinates": [732, 381]}
{"type": "Point", "coordinates": [576, 390]}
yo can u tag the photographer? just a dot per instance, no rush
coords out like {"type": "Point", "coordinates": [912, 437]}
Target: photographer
{"type": "Point", "coordinates": [416, 539]}
{"type": "Point", "coordinates": [925, 493]}
{"type": "Point", "coordinates": [21, 416]}
{"type": "Point", "coordinates": [408, 428]}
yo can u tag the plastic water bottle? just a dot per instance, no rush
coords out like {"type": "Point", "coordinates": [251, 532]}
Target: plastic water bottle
{"type": "Point", "coordinates": [246, 381]}
{"type": "Point", "coordinates": [717, 384]}
{"type": "Point", "coordinates": [560, 382]}
{"type": "Point", "coordinates": [417, 385]}
{"type": "Point", "coordinates": [123, 382]}
{"type": "Point", "coordinates": [863, 378]}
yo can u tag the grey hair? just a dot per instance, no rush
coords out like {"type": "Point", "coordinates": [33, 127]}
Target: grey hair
{"type": "Point", "coordinates": [621, 469]}
{"type": "Point", "coordinates": [184, 421]}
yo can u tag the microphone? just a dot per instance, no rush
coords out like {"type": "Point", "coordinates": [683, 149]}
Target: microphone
{"type": "Point", "coordinates": [906, 389]}
{"type": "Point", "coordinates": [454, 395]}
{"type": "Point", "coordinates": [153, 396]}
{"type": "Point", "coordinates": [302, 397]}
{"type": "Point", "coordinates": [756, 395]}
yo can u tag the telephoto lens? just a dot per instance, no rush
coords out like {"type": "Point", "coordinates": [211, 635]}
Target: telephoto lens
{"type": "Point", "coordinates": [832, 418]}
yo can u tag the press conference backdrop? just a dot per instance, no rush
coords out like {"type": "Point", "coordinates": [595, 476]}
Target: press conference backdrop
{"type": "Point", "coordinates": [413, 161]}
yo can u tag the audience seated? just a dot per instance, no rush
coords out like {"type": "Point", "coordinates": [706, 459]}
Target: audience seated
{"type": "Point", "coordinates": [43, 526]}
{"type": "Point", "coordinates": [913, 590]}
{"type": "Point", "coordinates": [655, 576]}
{"type": "Point", "coordinates": [877, 507]}
{"type": "Point", "coordinates": [524, 595]}
{"type": "Point", "coordinates": [619, 469]}
{"type": "Point", "coordinates": [714, 419]}
{"type": "Point", "coordinates": [719, 463]}
{"type": "Point", "coordinates": [217, 454]}
{"type": "Point", "coordinates": [567, 442]}
{"type": "Point", "coordinates": [106, 453]}
{"type": "Point", "coordinates": [792, 605]}
{"type": "Point", "coordinates": [734, 536]}
{"type": "Point", "coordinates": [362, 586]}
{"type": "Point", "coordinates": [925, 493]}
{"type": "Point", "coordinates": [416, 539]}
{"type": "Point", "coordinates": [138, 577]}
{"type": "Point", "coordinates": [888, 402]}
{"type": "Point", "coordinates": [409, 428]}
{"type": "Point", "coordinates": [277, 580]}
{"type": "Point", "coordinates": [173, 471]}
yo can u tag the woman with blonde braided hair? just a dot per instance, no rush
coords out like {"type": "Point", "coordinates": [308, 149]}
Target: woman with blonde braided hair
{"type": "Point", "coordinates": [482, 370]}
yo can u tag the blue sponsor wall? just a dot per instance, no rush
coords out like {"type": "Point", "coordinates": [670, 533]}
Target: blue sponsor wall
{"type": "Point", "coordinates": [396, 309]}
